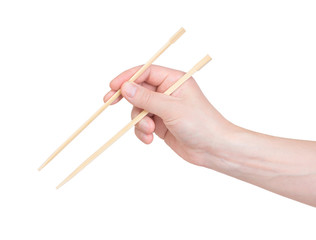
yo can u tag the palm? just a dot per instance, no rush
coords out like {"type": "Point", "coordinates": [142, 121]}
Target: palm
{"type": "Point", "coordinates": [181, 125]}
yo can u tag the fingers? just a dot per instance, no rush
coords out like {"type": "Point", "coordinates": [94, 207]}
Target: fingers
{"type": "Point", "coordinates": [116, 83]}
{"type": "Point", "coordinates": [145, 138]}
{"type": "Point", "coordinates": [155, 78]}
{"type": "Point", "coordinates": [109, 95]}
{"type": "Point", "coordinates": [112, 92]}
{"type": "Point", "coordinates": [148, 86]}
{"type": "Point", "coordinates": [154, 75]}
{"type": "Point", "coordinates": [160, 127]}
{"type": "Point", "coordinates": [146, 125]}
{"type": "Point", "coordinates": [145, 128]}
{"type": "Point", "coordinates": [157, 103]}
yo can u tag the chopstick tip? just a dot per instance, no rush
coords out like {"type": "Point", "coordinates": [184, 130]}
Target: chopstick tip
{"type": "Point", "coordinates": [45, 163]}
{"type": "Point", "coordinates": [63, 182]}
{"type": "Point", "coordinates": [59, 186]}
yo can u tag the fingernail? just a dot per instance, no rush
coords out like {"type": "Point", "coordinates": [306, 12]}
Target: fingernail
{"type": "Point", "coordinates": [130, 89]}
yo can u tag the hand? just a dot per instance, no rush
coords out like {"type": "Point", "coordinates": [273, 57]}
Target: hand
{"type": "Point", "coordinates": [186, 121]}
{"type": "Point", "coordinates": [198, 133]}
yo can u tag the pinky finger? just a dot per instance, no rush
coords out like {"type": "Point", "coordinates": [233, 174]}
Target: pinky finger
{"type": "Point", "coordinates": [145, 138]}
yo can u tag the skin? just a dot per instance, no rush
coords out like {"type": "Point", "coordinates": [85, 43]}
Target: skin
{"type": "Point", "coordinates": [197, 132]}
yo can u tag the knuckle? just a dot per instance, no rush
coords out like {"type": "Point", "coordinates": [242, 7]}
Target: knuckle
{"type": "Point", "coordinates": [146, 99]}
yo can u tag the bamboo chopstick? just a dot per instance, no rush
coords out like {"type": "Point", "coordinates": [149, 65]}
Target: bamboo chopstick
{"type": "Point", "coordinates": [170, 90]}
{"type": "Point", "coordinates": [172, 40]}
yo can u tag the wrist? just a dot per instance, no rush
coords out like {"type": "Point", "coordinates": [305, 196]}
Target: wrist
{"type": "Point", "coordinates": [247, 155]}
{"type": "Point", "coordinates": [238, 152]}
{"type": "Point", "coordinates": [222, 148]}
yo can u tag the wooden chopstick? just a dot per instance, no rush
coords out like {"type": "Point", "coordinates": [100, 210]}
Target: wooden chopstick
{"type": "Point", "coordinates": [170, 90]}
{"type": "Point", "coordinates": [172, 40]}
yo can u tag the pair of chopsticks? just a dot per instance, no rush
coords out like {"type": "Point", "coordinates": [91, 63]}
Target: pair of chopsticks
{"type": "Point", "coordinates": [132, 123]}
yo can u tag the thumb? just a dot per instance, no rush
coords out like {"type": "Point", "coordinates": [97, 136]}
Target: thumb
{"type": "Point", "coordinates": [153, 102]}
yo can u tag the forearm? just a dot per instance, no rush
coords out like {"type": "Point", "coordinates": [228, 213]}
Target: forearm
{"type": "Point", "coordinates": [284, 166]}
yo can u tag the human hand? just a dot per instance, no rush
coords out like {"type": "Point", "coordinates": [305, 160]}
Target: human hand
{"type": "Point", "coordinates": [198, 133]}
{"type": "Point", "coordinates": [186, 121]}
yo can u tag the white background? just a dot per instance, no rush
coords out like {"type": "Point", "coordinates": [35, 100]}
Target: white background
{"type": "Point", "coordinates": [56, 60]}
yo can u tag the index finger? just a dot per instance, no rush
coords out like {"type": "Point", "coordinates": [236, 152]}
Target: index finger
{"type": "Point", "coordinates": [154, 75]}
